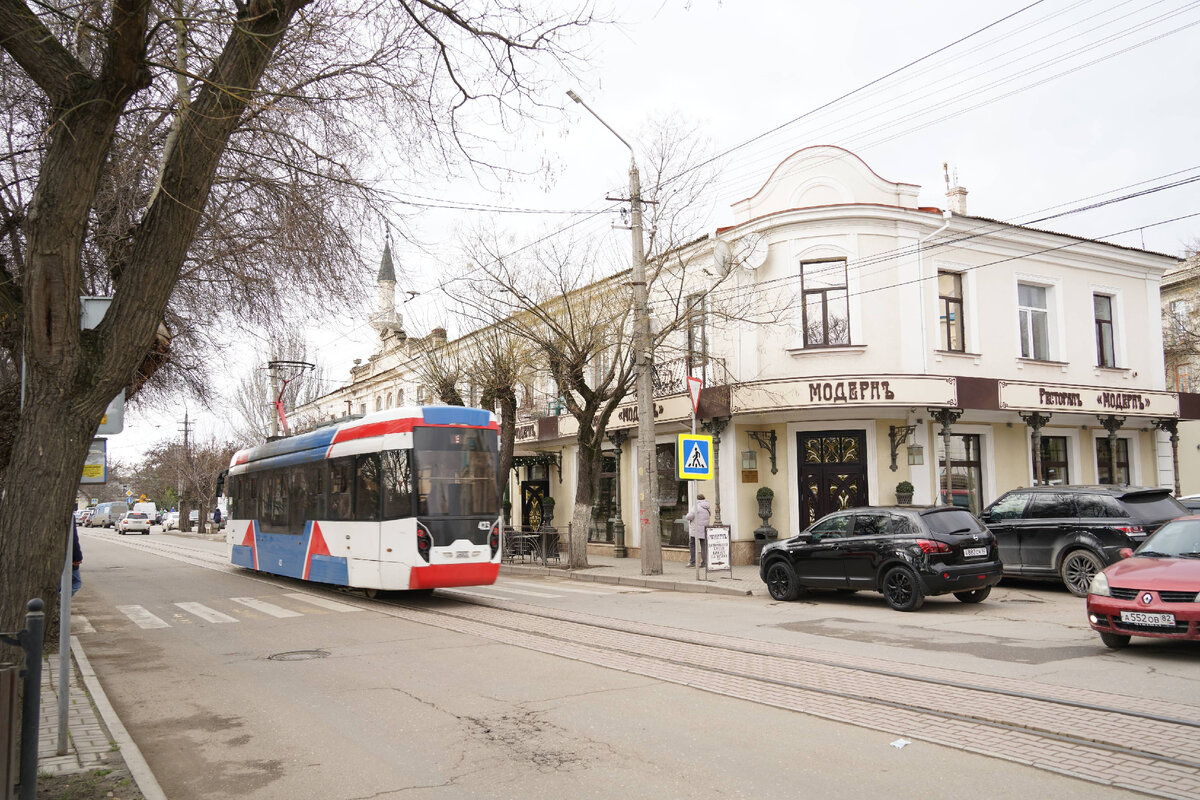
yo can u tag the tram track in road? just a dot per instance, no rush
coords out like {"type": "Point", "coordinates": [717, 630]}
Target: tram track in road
{"type": "Point", "coordinates": [1105, 738]}
{"type": "Point", "coordinates": [1102, 738]}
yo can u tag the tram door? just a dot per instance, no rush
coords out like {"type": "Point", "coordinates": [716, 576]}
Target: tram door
{"type": "Point", "coordinates": [833, 472]}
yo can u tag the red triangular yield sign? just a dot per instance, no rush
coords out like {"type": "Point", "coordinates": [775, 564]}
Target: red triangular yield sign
{"type": "Point", "coordinates": [694, 386]}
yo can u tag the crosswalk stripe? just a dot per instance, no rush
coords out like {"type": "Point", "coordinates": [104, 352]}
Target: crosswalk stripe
{"type": "Point", "coordinates": [142, 618]}
{"type": "Point", "coordinates": [265, 607]}
{"type": "Point", "coordinates": [205, 613]}
{"type": "Point", "coordinates": [332, 605]}
{"type": "Point", "coordinates": [80, 624]}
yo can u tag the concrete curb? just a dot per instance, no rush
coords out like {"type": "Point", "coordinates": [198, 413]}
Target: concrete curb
{"type": "Point", "coordinates": [129, 751]}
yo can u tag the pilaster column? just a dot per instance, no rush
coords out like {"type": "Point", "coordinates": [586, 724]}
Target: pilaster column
{"type": "Point", "coordinates": [618, 438]}
{"type": "Point", "coordinates": [947, 417]}
{"type": "Point", "coordinates": [1036, 422]}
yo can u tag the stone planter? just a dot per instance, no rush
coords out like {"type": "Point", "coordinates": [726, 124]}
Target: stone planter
{"type": "Point", "coordinates": [763, 533]}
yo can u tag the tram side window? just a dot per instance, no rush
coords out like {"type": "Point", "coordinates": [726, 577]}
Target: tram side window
{"type": "Point", "coordinates": [397, 485]}
{"type": "Point", "coordinates": [341, 483]}
{"type": "Point", "coordinates": [366, 487]}
{"type": "Point", "coordinates": [232, 493]}
{"type": "Point", "coordinates": [275, 516]}
{"type": "Point", "coordinates": [298, 499]}
{"type": "Point", "coordinates": [315, 502]}
{"type": "Point", "coordinates": [250, 503]}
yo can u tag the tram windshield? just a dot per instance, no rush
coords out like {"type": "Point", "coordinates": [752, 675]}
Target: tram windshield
{"type": "Point", "coordinates": [456, 472]}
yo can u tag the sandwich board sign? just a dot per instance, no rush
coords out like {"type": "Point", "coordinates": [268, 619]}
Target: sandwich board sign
{"type": "Point", "coordinates": [694, 456]}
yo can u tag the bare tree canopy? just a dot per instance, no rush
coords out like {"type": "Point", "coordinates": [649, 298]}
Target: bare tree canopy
{"type": "Point", "coordinates": [192, 159]}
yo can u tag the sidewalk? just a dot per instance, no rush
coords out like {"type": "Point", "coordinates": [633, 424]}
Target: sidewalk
{"type": "Point", "coordinates": [628, 572]}
{"type": "Point", "coordinates": [97, 743]}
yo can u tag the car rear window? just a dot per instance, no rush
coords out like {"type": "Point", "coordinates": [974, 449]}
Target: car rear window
{"type": "Point", "coordinates": [1153, 506]}
{"type": "Point", "coordinates": [955, 521]}
{"type": "Point", "coordinates": [135, 516]}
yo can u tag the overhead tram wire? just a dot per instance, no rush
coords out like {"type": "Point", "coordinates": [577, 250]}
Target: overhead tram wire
{"type": "Point", "coordinates": [858, 142]}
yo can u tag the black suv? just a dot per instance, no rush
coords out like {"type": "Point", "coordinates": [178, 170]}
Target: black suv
{"type": "Point", "coordinates": [905, 553]}
{"type": "Point", "coordinates": [1073, 532]}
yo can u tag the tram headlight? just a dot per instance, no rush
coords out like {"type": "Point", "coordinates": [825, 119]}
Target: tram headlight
{"type": "Point", "coordinates": [424, 544]}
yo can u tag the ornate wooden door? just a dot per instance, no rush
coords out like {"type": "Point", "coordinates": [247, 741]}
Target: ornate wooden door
{"type": "Point", "coordinates": [833, 472]}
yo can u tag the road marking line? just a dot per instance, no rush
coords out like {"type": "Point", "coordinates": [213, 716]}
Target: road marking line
{"type": "Point", "coordinates": [558, 588]}
{"type": "Point", "coordinates": [475, 593]}
{"type": "Point", "coordinates": [505, 588]}
{"type": "Point", "coordinates": [332, 605]}
{"type": "Point", "coordinates": [265, 607]}
{"type": "Point", "coordinates": [142, 618]}
{"type": "Point", "coordinates": [205, 613]}
{"type": "Point", "coordinates": [80, 624]}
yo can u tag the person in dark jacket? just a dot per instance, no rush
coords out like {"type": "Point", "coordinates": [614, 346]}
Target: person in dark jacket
{"type": "Point", "coordinates": [76, 560]}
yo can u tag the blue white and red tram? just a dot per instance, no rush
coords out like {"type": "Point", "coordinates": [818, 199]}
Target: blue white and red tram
{"type": "Point", "coordinates": [399, 499]}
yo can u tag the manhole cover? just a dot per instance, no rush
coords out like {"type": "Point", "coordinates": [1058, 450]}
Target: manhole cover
{"type": "Point", "coordinates": [299, 655]}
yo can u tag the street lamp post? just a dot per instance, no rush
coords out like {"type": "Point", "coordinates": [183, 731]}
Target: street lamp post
{"type": "Point", "coordinates": [647, 469]}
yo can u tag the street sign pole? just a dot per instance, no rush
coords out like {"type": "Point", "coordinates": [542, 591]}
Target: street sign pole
{"type": "Point", "coordinates": [694, 387]}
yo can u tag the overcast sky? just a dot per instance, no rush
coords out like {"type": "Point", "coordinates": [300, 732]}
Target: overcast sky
{"type": "Point", "coordinates": [1040, 108]}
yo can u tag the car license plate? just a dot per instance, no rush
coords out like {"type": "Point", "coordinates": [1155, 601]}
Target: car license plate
{"type": "Point", "coordinates": [1144, 618]}
{"type": "Point", "coordinates": [974, 552]}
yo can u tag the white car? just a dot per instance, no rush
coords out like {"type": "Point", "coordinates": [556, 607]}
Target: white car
{"type": "Point", "coordinates": [134, 521]}
{"type": "Point", "coordinates": [170, 520]}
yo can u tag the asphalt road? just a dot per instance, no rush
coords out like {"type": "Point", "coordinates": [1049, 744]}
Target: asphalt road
{"type": "Point", "coordinates": [236, 686]}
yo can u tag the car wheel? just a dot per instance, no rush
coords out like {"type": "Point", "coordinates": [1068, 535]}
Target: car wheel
{"type": "Point", "coordinates": [902, 589]}
{"type": "Point", "coordinates": [782, 582]}
{"type": "Point", "coordinates": [1114, 641]}
{"type": "Point", "coordinates": [1078, 569]}
{"type": "Point", "coordinates": [975, 595]}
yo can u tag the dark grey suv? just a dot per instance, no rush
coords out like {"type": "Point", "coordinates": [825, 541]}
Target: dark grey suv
{"type": "Point", "coordinates": [1073, 532]}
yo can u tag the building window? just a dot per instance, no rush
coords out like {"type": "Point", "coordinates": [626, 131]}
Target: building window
{"type": "Point", "coordinates": [1104, 330]}
{"type": "Point", "coordinates": [1054, 461]}
{"type": "Point", "coordinates": [389, 400]}
{"type": "Point", "coordinates": [1182, 378]}
{"type": "Point", "coordinates": [1035, 321]}
{"type": "Point", "coordinates": [697, 336]}
{"type": "Point", "coordinates": [399, 397]}
{"type": "Point", "coordinates": [1104, 468]}
{"type": "Point", "coordinates": [826, 303]}
{"type": "Point", "coordinates": [950, 309]}
{"type": "Point", "coordinates": [362, 408]}
{"type": "Point", "coordinates": [378, 403]}
{"type": "Point", "coordinates": [966, 472]}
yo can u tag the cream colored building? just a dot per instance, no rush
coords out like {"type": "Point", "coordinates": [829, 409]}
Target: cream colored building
{"type": "Point", "coordinates": [903, 327]}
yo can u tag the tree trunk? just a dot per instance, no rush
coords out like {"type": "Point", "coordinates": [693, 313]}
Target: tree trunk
{"type": "Point", "coordinates": [587, 467]}
{"type": "Point", "coordinates": [38, 497]}
{"type": "Point", "coordinates": [508, 428]}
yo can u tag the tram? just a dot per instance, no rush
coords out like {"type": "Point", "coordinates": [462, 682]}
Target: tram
{"type": "Point", "coordinates": [403, 499]}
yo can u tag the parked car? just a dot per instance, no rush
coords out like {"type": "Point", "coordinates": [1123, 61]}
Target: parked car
{"type": "Point", "coordinates": [85, 516]}
{"type": "Point", "coordinates": [1155, 592]}
{"type": "Point", "coordinates": [134, 521]}
{"type": "Point", "coordinates": [1070, 533]}
{"type": "Point", "coordinates": [1191, 502]}
{"type": "Point", "coordinates": [170, 520]}
{"type": "Point", "coordinates": [907, 553]}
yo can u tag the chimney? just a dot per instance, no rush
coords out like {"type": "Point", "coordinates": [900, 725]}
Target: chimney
{"type": "Point", "coordinates": [439, 334]}
{"type": "Point", "coordinates": [956, 196]}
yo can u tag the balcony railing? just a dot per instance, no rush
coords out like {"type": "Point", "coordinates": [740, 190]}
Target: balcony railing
{"type": "Point", "coordinates": [670, 377]}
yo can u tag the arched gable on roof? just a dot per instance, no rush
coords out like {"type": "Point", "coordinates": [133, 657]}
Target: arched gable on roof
{"type": "Point", "coordinates": [823, 175]}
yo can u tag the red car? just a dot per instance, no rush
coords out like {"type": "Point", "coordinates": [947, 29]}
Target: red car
{"type": "Point", "coordinates": [1154, 591]}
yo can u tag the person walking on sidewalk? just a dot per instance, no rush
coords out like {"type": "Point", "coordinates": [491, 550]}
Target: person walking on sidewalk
{"type": "Point", "coordinates": [698, 519]}
{"type": "Point", "coordinates": [76, 560]}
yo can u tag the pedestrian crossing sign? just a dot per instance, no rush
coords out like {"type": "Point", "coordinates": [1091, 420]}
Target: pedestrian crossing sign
{"type": "Point", "coordinates": [694, 456]}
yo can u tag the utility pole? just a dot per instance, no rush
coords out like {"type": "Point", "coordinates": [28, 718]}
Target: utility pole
{"type": "Point", "coordinates": [187, 461]}
{"type": "Point", "coordinates": [648, 519]}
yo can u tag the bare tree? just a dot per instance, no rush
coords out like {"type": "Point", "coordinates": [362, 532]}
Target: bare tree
{"type": "Point", "coordinates": [499, 363]}
{"type": "Point", "coordinates": [254, 403]}
{"type": "Point", "coordinates": [213, 154]}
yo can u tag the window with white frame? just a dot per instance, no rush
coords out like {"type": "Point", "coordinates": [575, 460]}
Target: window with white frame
{"type": "Point", "coordinates": [950, 311]}
{"type": "Point", "coordinates": [1034, 314]}
{"type": "Point", "coordinates": [1105, 352]}
{"type": "Point", "coordinates": [390, 400]}
{"type": "Point", "coordinates": [378, 403]}
{"type": "Point", "coordinates": [826, 303]}
{"type": "Point", "coordinates": [1181, 378]}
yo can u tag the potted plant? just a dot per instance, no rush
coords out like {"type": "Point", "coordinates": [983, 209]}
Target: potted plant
{"type": "Point", "coordinates": [506, 507]}
{"type": "Point", "coordinates": [764, 532]}
{"type": "Point", "coordinates": [547, 510]}
{"type": "Point", "coordinates": [904, 493]}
